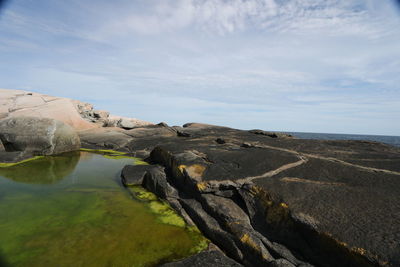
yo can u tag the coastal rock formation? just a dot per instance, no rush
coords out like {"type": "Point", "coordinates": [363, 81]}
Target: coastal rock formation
{"type": "Point", "coordinates": [34, 136]}
{"type": "Point", "coordinates": [279, 201]}
{"type": "Point", "coordinates": [77, 114]}
{"type": "Point", "coordinates": [263, 198]}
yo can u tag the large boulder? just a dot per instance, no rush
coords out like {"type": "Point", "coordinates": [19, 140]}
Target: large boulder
{"type": "Point", "coordinates": [18, 103]}
{"type": "Point", "coordinates": [126, 124]}
{"type": "Point", "coordinates": [79, 115]}
{"type": "Point", "coordinates": [37, 136]}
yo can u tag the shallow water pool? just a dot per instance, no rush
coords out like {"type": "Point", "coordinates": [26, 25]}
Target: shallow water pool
{"type": "Point", "coordinates": [71, 210]}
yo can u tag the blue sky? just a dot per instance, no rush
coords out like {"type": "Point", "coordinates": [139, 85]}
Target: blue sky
{"type": "Point", "coordinates": [289, 65]}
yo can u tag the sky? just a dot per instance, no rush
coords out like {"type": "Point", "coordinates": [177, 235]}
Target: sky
{"type": "Point", "coordinates": [287, 65]}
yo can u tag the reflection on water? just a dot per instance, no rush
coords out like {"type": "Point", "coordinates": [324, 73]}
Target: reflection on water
{"type": "Point", "coordinates": [70, 210]}
{"type": "Point", "coordinates": [2, 261]}
{"type": "Point", "coordinates": [47, 170]}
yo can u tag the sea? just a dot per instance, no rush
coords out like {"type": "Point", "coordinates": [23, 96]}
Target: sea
{"type": "Point", "coordinates": [390, 140]}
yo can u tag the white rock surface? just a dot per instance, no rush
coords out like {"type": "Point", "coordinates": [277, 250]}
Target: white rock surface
{"type": "Point", "coordinates": [79, 115]}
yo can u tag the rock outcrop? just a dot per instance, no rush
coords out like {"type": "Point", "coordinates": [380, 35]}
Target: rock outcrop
{"type": "Point", "coordinates": [77, 114]}
{"type": "Point", "coordinates": [34, 136]}
{"type": "Point", "coordinates": [278, 201]}
{"type": "Point", "coordinates": [263, 198]}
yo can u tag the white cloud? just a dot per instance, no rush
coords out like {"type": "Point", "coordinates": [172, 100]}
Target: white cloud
{"type": "Point", "coordinates": [305, 65]}
{"type": "Point", "coordinates": [333, 17]}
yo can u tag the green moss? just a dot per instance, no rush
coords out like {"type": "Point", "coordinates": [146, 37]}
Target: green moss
{"type": "Point", "coordinates": [202, 244]}
{"type": "Point", "coordinates": [141, 193]}
{"type": "Point", "coordinates": [136, 161]}
{"type": "Point", "coordinates": [140, 162]}
{"type": "Point", "coordinates": [112, 154]}
{"type": "Point", "coordinates": [5, 165]}
{"type": "Point", "coordinates": [103, 151]}
{"type": "Point", "coordinates": [166, 214]}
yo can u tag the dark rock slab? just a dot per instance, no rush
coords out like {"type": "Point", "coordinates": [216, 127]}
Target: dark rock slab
{"type": "Point", "coordinates": [13, 157]}
{"type": "Point", "coordinates": [270, 134]}
{"type": "Point", "coordinates": [358, 208]}
{"type": "Point", "coordinates": [105, 138]}
{"type": "Point", "coordinates": [155, 180]}
{"type": "Point", "coordinates": [211, 228]}
{"type": "Point", "coordinates": [330, 203]}
{"type": "Point", "coordinates": [207, 258]}
{"type": "Point", "coordinates": [134, 174]}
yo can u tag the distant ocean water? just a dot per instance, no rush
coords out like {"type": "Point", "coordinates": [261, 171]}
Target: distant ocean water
{"type": "Point", "coordinates": [391, 140]}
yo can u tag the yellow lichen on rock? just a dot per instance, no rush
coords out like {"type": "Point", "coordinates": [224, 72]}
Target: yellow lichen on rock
{"type": "Point", "coordinates": [284, 205]}
{"type": "Point", "coordinates": [195, 171]}
{"type": "Point", "coordinates": [5, 165]}
{"type": "Point", "coordinates": [201, 186]}
{"type": "Point", "coordinates": [360, 251]}
{"type": "Point", "coordinates": [246, 239]}
{"type": "Point", "coordinates": [182, 167]}
{"type": "Point", "coordinates": [277, 213]}
{"type": "Point", "coordinates": [249, 241]}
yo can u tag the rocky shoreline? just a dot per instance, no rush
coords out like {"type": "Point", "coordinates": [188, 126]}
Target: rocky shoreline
{"type": "Point", "coordinates": [263, 199]}
{"type": "Point", "coordinates": [274, 201]}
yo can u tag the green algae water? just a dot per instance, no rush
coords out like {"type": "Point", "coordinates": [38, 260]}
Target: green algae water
{"type": "Point", "coordinates": [71, 210]}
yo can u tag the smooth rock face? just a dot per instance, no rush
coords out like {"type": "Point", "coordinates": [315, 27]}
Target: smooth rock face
{"type": "Point", "coordinates": [79, 115]}
{"type": "Point", "coordinates": [205, 259]}
{"type": "Point", "coordinates": [126, 124]}
{"type": "Point", "coordinates": [38, 136]}
{"type": "Point", "coordinates": [134, 174]}
{"type": "Point", "coordinates": [101, 114]}
{"type": "Point", "coordinates": [17, 103]}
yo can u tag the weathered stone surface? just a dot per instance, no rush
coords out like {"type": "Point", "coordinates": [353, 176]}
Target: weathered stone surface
{"type": "Point", "coordinates": [271, 134]}
{"type": "Point", "coordinates": [109, 138]}
{"type": "Point", "coordinates": [13, 156]}
{"type": "Point", "coordinates": [101, 114]}
{"type": "Point", "coordinates": [207, 258]}
{"type": "Point", "coordinates": [37, 136]}
{"type": "Point", "coordinates": [155, 180]}
{"type": "Point", "coordinates": [16, 103]}
{"type": "Point", "coordinates": [163, 124]}
{"type": "Point", "coordinates": [210, 227]}
{"type": "Point", "coordinates": [134, 174]}
{"type": "Point", "coordinates": [282, 263]}
{"type": "Point", "coordinates": [125, 140]}
{"type": "Point", "coordinates": [307, 216]}
{"type": "Point", "coordinates": [77, 114]}
{"type": "Point", "coordinates": [126, 124]}
{"type": "Point", "coordinates": [225, 210]}
{"type": "Point", "coordinates": [363, 209]}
